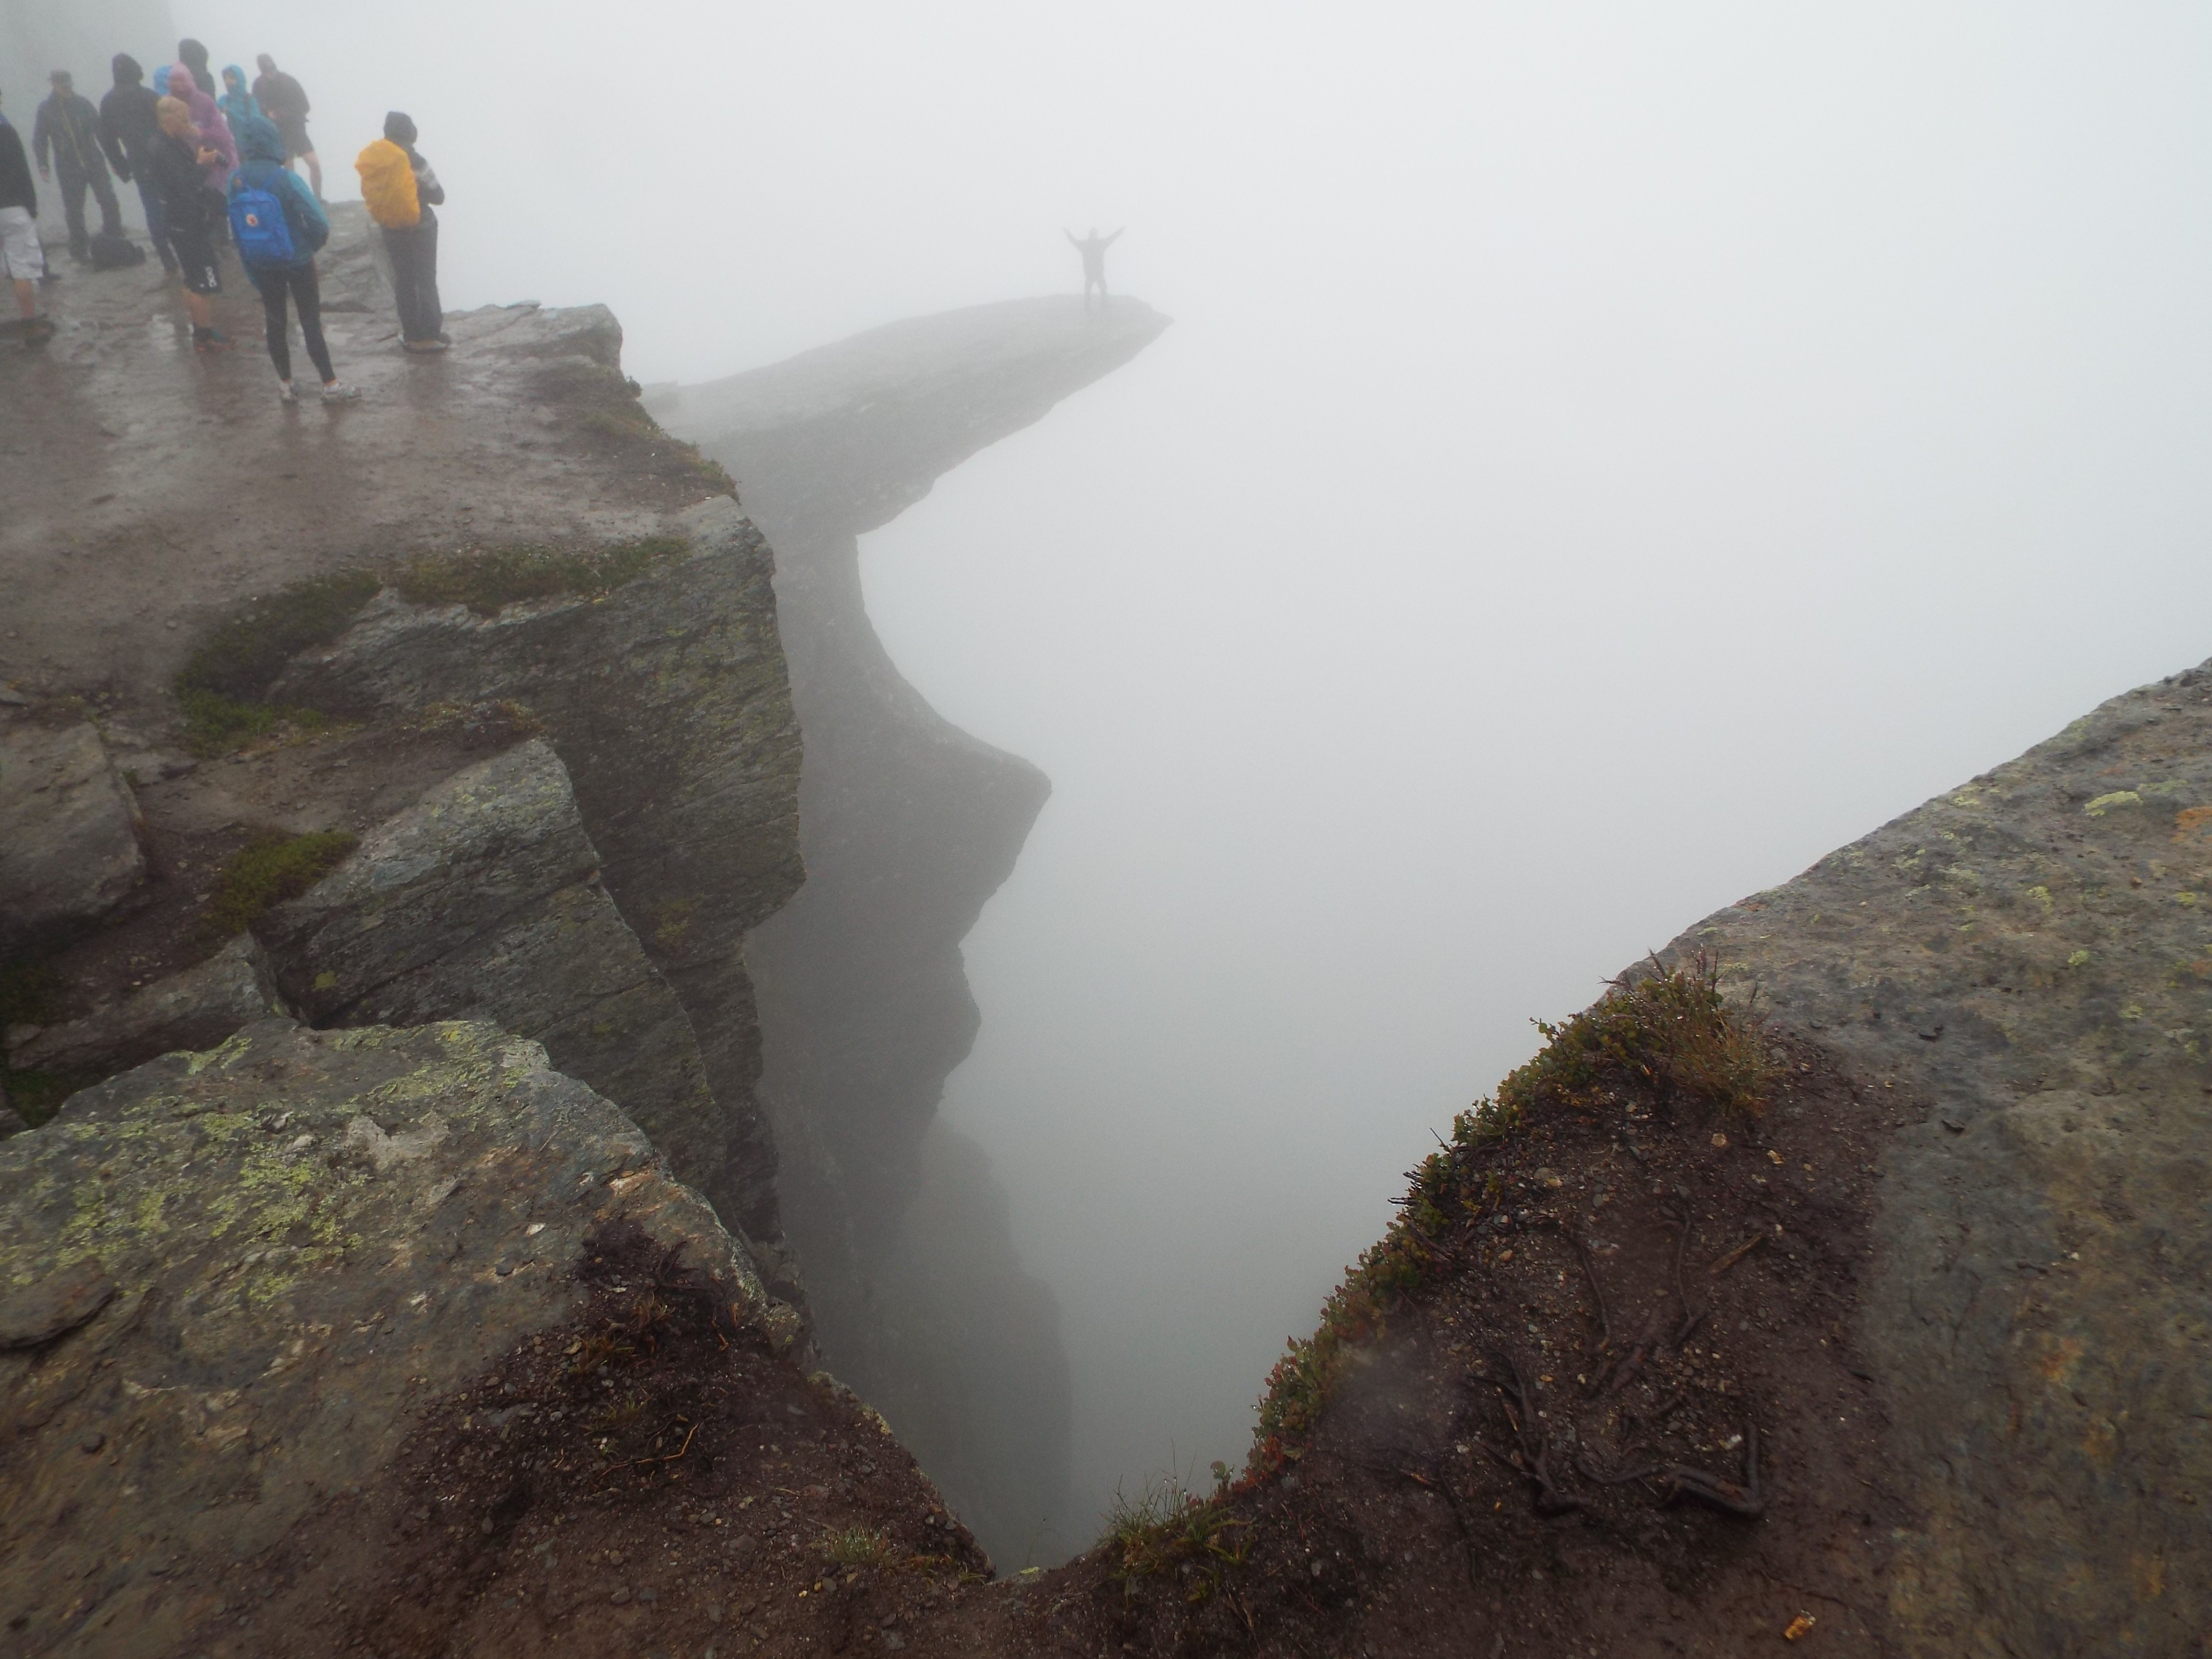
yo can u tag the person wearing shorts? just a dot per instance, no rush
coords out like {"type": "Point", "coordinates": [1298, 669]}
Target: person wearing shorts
{"type": "Point", "coordinates": [23, 261]}
{"type": "Point", "coordinates": [284, 101]}
{"type": "Point", "coordinates": [174, 162]}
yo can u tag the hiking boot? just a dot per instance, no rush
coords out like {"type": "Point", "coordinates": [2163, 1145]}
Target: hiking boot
{"type": "Point", "coordinates": [337, 391]}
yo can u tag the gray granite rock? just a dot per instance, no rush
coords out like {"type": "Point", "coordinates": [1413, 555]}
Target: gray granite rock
{"type": "Point", "coordinates": [2029, 956]}
{"type": "Point", "coordinates": [231, 1282]}
{"type": "Point", "coordinates": [69, 852]}
{"type": "Point", "coordinates": [195, 1009]}
{"type": "Point", "coordinates": [483, 901]}
{"type": "Point", "coordinates": [667, 702]}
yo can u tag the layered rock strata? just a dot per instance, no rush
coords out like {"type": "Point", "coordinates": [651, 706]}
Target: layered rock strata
{"type": "Point", "coordinates": [667, 703]}
{"type": "Point", "coordinates": [908, 825]}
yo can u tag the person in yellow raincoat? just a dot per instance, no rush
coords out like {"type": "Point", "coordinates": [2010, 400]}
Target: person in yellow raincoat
{"type": "Point", "coordinates": [401, 191]}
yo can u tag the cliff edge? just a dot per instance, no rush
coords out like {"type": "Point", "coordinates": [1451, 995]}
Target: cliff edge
{"type": "Point", "coordinates": [908, 825]}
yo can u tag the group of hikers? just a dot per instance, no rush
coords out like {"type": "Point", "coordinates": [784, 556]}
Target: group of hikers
{"type": "Point", "coordinates": [213, 162]}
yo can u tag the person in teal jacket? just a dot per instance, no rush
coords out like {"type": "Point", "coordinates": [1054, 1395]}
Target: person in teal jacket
{"type": "Point", "coordinates": [277, 276]}
{"type": "Point", "coordinates": [236, 102]}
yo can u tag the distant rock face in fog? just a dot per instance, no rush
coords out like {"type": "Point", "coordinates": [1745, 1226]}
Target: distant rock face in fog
{"type": "Point", "coordinates": [908, 825]}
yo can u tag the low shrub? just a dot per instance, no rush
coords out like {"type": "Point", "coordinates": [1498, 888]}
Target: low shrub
{"type": "Point", "coordinates": [1668, 1038]}
{"type": "Point", "coordinates": [488, 579]}
{"type": "Point", "coordinates": [268, 870]}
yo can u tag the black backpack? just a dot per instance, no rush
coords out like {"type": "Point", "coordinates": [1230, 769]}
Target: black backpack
{"type": "Point", "coordinates": [114, 252]}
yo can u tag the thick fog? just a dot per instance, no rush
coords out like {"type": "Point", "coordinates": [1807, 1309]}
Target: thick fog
{"type": "Point", "coordinates": [1607, 456]}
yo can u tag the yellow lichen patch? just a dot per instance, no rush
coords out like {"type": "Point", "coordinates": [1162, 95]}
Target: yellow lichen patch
{"type": "Point", "coordinates": [2041, 896]}
{"type": "Point", "coordinates": [2104, 804]}
{"type": "Point", "coordinates": [2185, 898]}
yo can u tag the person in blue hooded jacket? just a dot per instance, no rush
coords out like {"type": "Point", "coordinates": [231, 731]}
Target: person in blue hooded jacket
{"type": "Point", "coordinates": [280, 261]}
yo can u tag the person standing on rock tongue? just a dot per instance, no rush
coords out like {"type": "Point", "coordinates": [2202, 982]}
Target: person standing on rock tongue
{"type": "Point", "coordinates": [400, 190]}
{"type": "Point", "coordinates": [284, 101]}
{"type": "Point", "coordinates": [1093, 249]}
{"type": "Point", "coordinates": [279, 226]}
{"type": "Point", "coordinates": [22, 260]}
{"type": "Point", "coordinates": [173, 164]}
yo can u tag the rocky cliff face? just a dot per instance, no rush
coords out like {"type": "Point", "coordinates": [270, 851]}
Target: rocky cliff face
{"type": "Point", "coordinates": [908, 825]}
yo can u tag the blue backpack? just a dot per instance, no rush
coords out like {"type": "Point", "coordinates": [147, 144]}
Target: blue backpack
{"type": "Point", "coordinates": [257, 225]}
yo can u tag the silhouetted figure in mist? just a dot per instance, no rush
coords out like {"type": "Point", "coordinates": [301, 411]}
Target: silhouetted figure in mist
{"type": "Point", "coordinates": [1093, 249]}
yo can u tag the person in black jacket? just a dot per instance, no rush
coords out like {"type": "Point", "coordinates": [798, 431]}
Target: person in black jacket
{"type": "Point", "coordinates": [22, 260]}
{"type": "Point", "coordinates": [172, 164]}
{"type": "Point", "coordinates": [194, 56]}
{"type": "Point", "coordinates": [129, 122]}
{"type": "Point", "coordinates": [65, 137]}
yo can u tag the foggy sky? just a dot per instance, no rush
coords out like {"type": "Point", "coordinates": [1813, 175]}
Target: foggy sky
{"type": "Point", "coordinates": [1606, 457]}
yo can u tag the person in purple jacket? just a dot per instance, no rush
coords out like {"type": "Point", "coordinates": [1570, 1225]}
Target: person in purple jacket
{"type": "Point", "coordinates": [215, 134]}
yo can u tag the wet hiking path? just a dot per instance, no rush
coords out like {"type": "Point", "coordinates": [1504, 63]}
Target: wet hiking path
{"type": "Point", "coordinates": [149, 488]}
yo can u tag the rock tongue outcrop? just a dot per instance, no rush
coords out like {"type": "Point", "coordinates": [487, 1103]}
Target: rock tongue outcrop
{"type": "Point", "coordinates": [2031, 954]}
{"type": "Point", "coordinates": [908, 826]}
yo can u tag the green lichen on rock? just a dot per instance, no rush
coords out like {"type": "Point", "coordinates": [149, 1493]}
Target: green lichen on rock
{"type": "Point", "coordinates": [487, 579]}
{"type": "Point", "coordinates": [245, 1272]}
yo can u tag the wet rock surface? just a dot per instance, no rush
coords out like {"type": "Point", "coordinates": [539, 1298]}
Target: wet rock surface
{"type": "Point", "coordinates": [909, 825]}
{"type": "Point", "coordinates": [667, 703]}
{"type": "Point", "coordinates": [231, 1284]}
{"type": "Point", "coordinates": [2028, 957]}
{"type": "Point", "coordinates": [130, 526]}
{"type": "Point", "coordinates": [195, 1009]}
{"type": "Point", "coordinates": [69, 852]}
{"type": "Point", "coordinates": [483, 901]}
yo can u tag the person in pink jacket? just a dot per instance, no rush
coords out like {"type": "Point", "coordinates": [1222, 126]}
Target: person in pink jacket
{"type": "Point", "coordinates": [215, 134]}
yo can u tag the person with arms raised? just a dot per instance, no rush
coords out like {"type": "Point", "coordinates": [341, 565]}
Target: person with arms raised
{"type": "Point", "coordinates": [400, 190]}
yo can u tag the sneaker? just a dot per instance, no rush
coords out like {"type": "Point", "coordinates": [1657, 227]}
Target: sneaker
{"type": "Point", "coordinates": [337, 391]}
{"type": "Point", "coordinates": [285, 394]}
{"type": "Point", "coordinates": [37, 330]}
{"type": "Point", "coordinates": [214, 340]}
{"type": "Point", "coordinates": [425, 348]}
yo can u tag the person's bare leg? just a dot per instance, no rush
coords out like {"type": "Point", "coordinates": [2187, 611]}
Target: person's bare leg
{"type": "Point", "coordinates": [27, 298]}
{"type": "Point", "coordinates": [314, 174]}
{"type": "Point", "coordinates": [200, 309]}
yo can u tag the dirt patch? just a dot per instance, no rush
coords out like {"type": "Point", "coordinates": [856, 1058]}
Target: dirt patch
{"type": "Point", "coordinates": [1620, 1412]}
{"type": "Point", "coordinates": [647, 1478]}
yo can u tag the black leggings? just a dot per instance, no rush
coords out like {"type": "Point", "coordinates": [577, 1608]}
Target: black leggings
{"type": "Point", "coordinates": [274, 283]}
